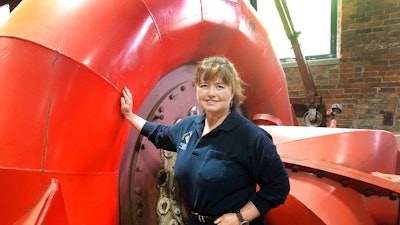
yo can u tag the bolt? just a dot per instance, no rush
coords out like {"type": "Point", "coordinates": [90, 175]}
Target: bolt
{"type": "Point", "coordinates": [345, 183]}
{"type": "Point", "coordinates": [177, 211]}
{"type": "Point", "coordinates": [139, 203]}
{"type": "Point", "coordinates": [393, 196]}
{"type": "Point", "coordinates": [368, 192]}
{"type": "Point", "coordinates": [138, 191]}
{"type": "Point", "coordinates": [158, 117]}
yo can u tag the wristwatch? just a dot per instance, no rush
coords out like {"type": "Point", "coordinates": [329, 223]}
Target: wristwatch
{"type": "Point", "coordinates": [241, 219]}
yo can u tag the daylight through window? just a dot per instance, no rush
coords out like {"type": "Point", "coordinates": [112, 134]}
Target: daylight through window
{"type": "Point", "coordinates": [314, 19]}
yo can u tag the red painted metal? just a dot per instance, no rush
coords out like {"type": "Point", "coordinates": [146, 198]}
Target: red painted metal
{"type": "Point", "coordinates": [68, 155]}
{"type": "Point", "coordinates": [316, 200]}
{"type": "Point", "coordinates": [333, 173]}
{"type": "Point", "coordinates": [64, 64]}
{"type": "Point", "coordinates": [49, 209]}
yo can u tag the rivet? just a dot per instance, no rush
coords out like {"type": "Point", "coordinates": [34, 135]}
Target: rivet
{"type": "Point", "coordinates": [183, 88]}
{"type": "Point", "coordinates": [139, 213]}
{"type": "Point", "coordinates": [161, 109]}
{"type": "Point", "coordinates": [320, 174]}
{"type": "Point", "coordinates": [171, 96]}
{"type": "Point", "coordinates": [295, 168]}
{"type": "Point", "coordinates": [139, 203]}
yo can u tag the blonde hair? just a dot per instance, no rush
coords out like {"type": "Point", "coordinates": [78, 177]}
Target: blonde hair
{"type": "Point", "coordinates": [219, 67]}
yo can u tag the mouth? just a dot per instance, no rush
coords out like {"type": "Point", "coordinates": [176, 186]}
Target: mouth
{"type": "Point", "coordinates": [210, 101]}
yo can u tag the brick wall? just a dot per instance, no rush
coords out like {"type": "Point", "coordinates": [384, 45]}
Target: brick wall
{"type": "Point", "coordinates": [366, 78]}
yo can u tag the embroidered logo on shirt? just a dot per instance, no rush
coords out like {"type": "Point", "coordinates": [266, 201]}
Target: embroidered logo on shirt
{"type": "Point", "coordinates": [185, 140]}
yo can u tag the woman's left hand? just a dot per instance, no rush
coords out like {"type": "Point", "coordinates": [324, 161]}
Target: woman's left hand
{"type": "Point", "coordinates": [227, 219]}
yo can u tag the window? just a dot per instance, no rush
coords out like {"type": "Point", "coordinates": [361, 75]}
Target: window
{"type": "Point", "coordinates": [315, 20]}
{"type": "Point", "coordinates": [4, 13]}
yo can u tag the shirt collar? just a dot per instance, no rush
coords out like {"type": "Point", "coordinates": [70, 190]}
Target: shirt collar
{"type": "Point", "coordinates": [228, 124]}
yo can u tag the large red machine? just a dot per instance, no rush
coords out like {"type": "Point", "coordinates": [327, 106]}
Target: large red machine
{"type": "Point", "coordinates": [68, 157]}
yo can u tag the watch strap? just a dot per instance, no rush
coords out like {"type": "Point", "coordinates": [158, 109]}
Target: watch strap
{"type": "Point", "coordinates": [240, 216]}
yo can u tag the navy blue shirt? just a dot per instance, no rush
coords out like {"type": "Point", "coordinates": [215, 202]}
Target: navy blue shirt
{"type": "Point", "coordinates": [218, 173]}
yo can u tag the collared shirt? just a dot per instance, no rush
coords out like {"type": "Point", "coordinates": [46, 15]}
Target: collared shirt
{"type": "Point", "coordinates": [218, 173]}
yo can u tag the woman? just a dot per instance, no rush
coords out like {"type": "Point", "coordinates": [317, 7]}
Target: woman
{"type": "Point", "coordinates": [221, 156]}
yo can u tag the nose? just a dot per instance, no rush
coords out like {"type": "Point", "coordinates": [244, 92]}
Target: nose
{"type": "Point", "coordinates": [211, 90]}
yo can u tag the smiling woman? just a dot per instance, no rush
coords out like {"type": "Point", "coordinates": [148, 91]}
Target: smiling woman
{"type": "Point", "coordinates": [214, 83]}
{"type": "Point", "coordinates": [83, 148]}
{"type": "Point", "coordinates": [221, 155]}
{"type": "Point", "coordinates": [221, 68]}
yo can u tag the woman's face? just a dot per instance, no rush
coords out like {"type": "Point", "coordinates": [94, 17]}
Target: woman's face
{"type": "Point", "coordinates": [214, 96]}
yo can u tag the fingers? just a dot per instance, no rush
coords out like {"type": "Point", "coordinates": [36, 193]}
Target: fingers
{"type": "Point", "coordinates": [127, 96]}
{"type": "Point", "coordinates": [126, 102]}
{"type": "Point", "coordinates": [217, 221]}
{"type": "Point", "coordinates": [126, 93]}
{"type": "Point", "coordinates": [227, 218]}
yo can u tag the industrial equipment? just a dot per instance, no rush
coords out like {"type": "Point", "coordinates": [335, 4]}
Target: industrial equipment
{"type": "Point", "coordinates": [68, 157]}
{"type": "Point", "coordinates": [312, 100]}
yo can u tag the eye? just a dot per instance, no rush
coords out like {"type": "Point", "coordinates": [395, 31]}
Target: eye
{"type": "Point", "coordinates": [203, 85]}
{"type": "Point", "coordinates": [220, 86]}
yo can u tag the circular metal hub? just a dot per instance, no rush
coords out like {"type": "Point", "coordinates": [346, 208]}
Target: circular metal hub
{"type": "Point", "coordinates": [153, 193]}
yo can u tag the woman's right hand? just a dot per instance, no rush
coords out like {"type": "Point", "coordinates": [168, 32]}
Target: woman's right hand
{"type": "Point", "coordinates": [126, 103]}
{"type": "Point", "coordinates": [126, 110]}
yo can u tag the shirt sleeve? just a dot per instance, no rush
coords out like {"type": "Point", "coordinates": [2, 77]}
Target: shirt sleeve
{"type": "Point", "coordinates": [161, 136]}
{"type": "Point", "coordinates": [269, 171]}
